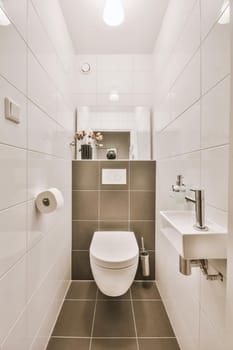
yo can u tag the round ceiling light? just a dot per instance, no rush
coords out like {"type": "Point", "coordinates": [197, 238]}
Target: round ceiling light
{"type": "Point", "coordinates": [113, 14]}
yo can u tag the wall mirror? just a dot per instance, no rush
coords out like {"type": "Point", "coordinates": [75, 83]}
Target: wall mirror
{"type": "Point", "coordinates": [125, 130]}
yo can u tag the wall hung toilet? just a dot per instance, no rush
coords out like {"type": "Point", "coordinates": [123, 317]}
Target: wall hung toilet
{"type": "Point", "coordinates": [114, 260]}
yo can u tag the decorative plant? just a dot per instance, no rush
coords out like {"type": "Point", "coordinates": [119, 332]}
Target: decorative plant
{"type": "Point", "coordinates": [89, 138]}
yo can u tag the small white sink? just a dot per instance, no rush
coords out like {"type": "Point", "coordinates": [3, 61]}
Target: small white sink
{"type": "Point", "coordinates": [190, 242]}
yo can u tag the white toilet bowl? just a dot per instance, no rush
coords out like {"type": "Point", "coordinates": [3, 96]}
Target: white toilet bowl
{"type": "Point", "coordinates": [114, 261]}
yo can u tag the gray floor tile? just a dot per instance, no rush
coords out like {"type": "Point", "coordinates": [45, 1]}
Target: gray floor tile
{"type": "Point", "coordinates": [114, 319]}
{"type": "Point", "coordinates": [145, 290]}
{"type": "Point", "coordinates": [106, 297]}
{"type": "Point", "coordinates": [75, 319]}
{"type": "Point", "coordinates": [82, 290]}
{"type": "Point", "coordinates": [151, 319]}
{"type": "Point", "coordinates": [68, 344]}
{"type": "Point", "coordinates": [114, 344]}
{"type": "Point", "coordinates": [158, 344]}
{"type": "Point", "coordinates": [81, 268]}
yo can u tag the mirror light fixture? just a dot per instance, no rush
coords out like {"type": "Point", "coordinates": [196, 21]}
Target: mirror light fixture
{"type": "Point", "coordinates": [4, 21]}
{"type": "Point", "coordinates": [113, 14]}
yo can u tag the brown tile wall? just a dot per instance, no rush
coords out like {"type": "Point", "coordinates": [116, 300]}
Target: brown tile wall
{"type": "Point", "coordinates": [128, 207]}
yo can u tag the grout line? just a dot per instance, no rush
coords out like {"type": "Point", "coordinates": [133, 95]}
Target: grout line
{"type": "Point", "coordinates": [93, 321]}
{"type": "Point", "coordinates": [175, 156]}
{"type": "Point", "coordinates": [114, 300]}
{"type": "Point", "coordinates": [129, 192]}
{"type": "Point", "coordinates": [99, 194]}
{"type": "Point", "coordinates": [112, 220]}
{"type": "Point", "coordinates": [134, 320]}
{"type": "Point", "coordinates": [196, 101]}
{"type": "Point", "coordinates": [112, 190]}
{"type": "Point", "coordinates": [75, 337]}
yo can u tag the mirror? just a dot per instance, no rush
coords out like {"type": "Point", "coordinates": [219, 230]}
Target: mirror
{"type": "Point", "coordinates": [126, 130]}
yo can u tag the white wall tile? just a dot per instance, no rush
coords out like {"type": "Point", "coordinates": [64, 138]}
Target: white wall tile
{"type": "Point", "coordinates": [13, 58]}
{"type": "Point", "coordinates": [13, 236]}
{"type": "Point", "coordinates": [142, 63]}
{"type": "Point", "coordinates": [215, 115]}
{"type": "Point", "coordinates": [109, 80]}
{"type": "Point", "coordinates": [65, 115]}
{"type": "Point", "coordinates": [13, 182]}
{"type": "Point", "coordinates": [12, 303]}
{"type": "Point", "coordinates": [42, 130]}
{"type": "Point", "coordinates": [56, 30]}
{"type": "Point", "coordinates": [142, 82]}
{"type": "Point", "coordinates": [40, 44]}
{"type": "Point", "coordinates": [130, 75]}
{"type": "Point", "coordinates": [182, 135]}
{"type": "Point", "coordinates": [18, 336]}
{"type": "Point", "coordinates": [187, 44]}
{"type": "Point", "coordinates": [84, 99]}
{"type": "Point", "coordinates": [44, 97]}
{"type": "Point", "coordinates": [186, 90]}
{"type": "Point", "coordinates": [46, 126]}
{"type": "Point", "coordinates": [17, 13]}
{"type": "Point", "coordinates": [114, 63]}
{"type": "Point", "coordinates": [142, 100]}
{"type": "Point", "coordinates": [85, 83]}
{"type": "Point", "coordinates": [11, 133]}
{"type": "Point", "coordinates": [213, 302]}
{"type": "Point", "coordinates": [208, 338]}
{"type": "Point", "coordinates": [211, 10]}
{"type": "Point", "coordinates": [179, 79]}
{"type": "Point", "coordinates": [215, 56]}
{"type": "Point", "coordinates": [215, 161]}
{"type": "Point", "coordinates": [124, 100]}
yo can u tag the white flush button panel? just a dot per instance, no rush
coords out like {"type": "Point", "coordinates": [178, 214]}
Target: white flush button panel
{"type": "Point", "coordinates": [114, 177]}
{"type": "Point", "coordinates": [12, 111]}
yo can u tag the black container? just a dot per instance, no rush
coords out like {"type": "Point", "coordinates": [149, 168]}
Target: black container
{"type": "Point", "coordinates": [86, 152]}
{"type": "Point", "coordinates": [111, 153]}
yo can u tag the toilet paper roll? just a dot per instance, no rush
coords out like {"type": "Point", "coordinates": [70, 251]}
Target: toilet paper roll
{"type": "Point", "coordinates": [49, 200]}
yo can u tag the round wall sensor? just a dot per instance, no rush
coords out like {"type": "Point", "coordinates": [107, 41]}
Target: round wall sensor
{"type": "Point", "coordinates": [85, 68]}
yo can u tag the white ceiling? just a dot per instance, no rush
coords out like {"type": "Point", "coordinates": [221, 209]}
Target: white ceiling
{"type": "Point", "coordinates": [91, 35]}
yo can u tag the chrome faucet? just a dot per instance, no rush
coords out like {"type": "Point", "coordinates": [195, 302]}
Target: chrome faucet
{"type": "Point", "coordinates": [199, 208]}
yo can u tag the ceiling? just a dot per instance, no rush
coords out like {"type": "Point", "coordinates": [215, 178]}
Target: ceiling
{"type": "Point", "coordinates": [91, 35]}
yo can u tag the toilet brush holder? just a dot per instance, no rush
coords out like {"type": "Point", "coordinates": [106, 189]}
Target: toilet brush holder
{"type": "Point", "coordinates": [145, 260]}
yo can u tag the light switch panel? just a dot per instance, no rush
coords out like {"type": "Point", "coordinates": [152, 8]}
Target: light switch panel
{"type": "Point", "coordinates": [12, 111]}
{"type": "Point", "coordinates": [114, 177]}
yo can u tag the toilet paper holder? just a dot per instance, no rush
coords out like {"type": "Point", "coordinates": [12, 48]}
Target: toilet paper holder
{"type": "Point", "coordinates": [145, 260]}
{"type": "Point", "coordinates": [49, 200]}
{"type": "Point", "coordinates": [46, 202]}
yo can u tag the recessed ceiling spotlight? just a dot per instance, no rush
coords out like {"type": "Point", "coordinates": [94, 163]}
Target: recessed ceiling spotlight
{"type": "Point", "coordinates": [4, 21]}
{"type": "Point", "coordinates": [113, 14]}
{"type": "Point", "coordinates": [114, 96]}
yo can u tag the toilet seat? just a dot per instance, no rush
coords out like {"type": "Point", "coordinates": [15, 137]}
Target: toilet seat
{"type": "Point", "coordinates": [114, 249]}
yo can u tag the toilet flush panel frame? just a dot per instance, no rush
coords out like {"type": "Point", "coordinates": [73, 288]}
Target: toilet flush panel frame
{"type": "Point", "coordinates": [114, 177]}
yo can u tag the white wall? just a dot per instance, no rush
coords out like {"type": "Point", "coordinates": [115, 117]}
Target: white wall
{"type": "Point", "coordinates": [130, 75]}
{"type": "Point", "coordinates": [191, 123]}
{"type": "Point", "coordinates": [35, 70]}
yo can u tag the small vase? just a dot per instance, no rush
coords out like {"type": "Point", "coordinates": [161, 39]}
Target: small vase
{"type": "Point", "coordinates": [86, 152]}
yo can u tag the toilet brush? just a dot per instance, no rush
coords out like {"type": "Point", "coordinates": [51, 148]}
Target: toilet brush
{"type": "Point", "coordinates": [144, 257]}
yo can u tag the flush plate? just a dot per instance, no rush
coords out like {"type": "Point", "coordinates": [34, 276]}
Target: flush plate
{"type": "Point", "coordinates": [114, 177]}
{"type": "Point", "coordinates": [190, 242]}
